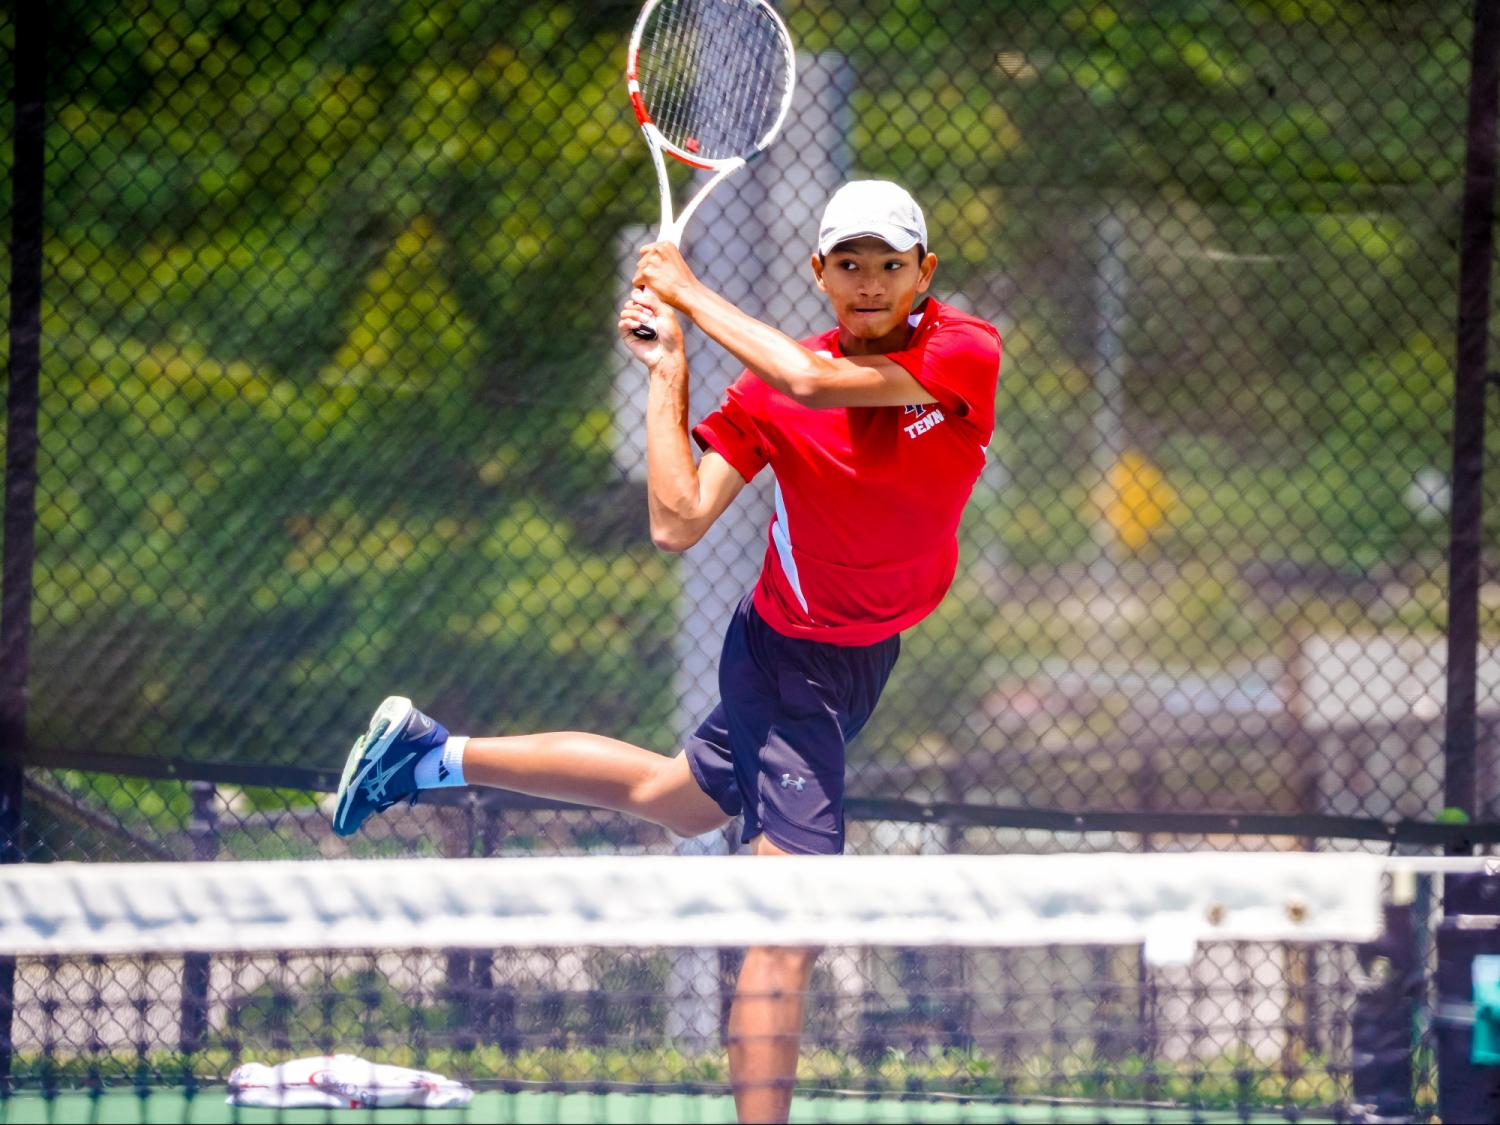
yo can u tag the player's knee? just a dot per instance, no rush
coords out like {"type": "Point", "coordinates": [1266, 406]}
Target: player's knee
{"type": "Point", "coordinates": [677, 803]}
{"type": "Point", "coordinates": [694, 822]}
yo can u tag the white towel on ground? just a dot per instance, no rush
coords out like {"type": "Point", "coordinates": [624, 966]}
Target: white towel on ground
{"type": "Point", "coordinates": [342, 1082]}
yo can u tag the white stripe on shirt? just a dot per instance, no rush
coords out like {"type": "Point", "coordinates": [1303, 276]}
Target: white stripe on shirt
{"type": "Point", "coordinates": [783, 540]}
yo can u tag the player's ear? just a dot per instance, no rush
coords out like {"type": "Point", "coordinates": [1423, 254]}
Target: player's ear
{"type": "Point", "coordinates": [817, 268]}
{"type": "Point", "coordinates": [925, 269]}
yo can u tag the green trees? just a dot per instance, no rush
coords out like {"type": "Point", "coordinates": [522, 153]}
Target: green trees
{"type": "Point", "coordinates": [329, 286]}
{"type": "Point", "coordinates": [322, 379]}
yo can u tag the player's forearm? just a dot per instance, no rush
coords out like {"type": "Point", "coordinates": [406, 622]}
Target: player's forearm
{"type": "Point", "coordinates": [775, 357]}
{"type": "Point", "coordinates": [673, 495]}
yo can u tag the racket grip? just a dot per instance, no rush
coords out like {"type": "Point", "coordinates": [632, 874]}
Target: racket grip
{"type": "Point", "coordinates": [645, 331]}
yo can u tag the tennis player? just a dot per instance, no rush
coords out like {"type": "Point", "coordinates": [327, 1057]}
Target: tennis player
{"type": "Point", "coordinates": [876, 432]}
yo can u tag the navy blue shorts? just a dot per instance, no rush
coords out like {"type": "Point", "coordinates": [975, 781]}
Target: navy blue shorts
{"type": "Point", "coordinates": [772, 751]}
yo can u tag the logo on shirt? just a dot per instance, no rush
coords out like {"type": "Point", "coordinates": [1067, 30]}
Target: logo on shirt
{"type": "Point", "coordinates": [927, 416]}
{"type": "Point", "coordinates": [790, 782]}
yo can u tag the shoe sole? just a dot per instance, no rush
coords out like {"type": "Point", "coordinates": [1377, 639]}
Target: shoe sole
{"type": "Point", "coordinates": [385, 725]}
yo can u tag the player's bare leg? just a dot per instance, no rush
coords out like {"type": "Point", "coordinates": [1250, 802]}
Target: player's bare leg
{"type": "Point", "coordinates": [403, 751]}
{"type": "Point", "coordinates": [765, 1024]}
{"type": "Point", "coordinates": [590, 769]}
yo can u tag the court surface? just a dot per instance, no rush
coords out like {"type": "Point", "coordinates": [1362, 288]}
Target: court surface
{"type": "Point", "coordinates": [208, 1106]}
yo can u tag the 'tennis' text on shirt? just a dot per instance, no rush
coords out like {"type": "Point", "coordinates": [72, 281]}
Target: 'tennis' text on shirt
{"type": "Point", "coordinates": [927, 417]}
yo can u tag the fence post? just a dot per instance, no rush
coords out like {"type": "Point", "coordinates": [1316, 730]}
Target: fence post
{"type": "Point", "coordinates": [484, 999]}
{"type": "Point", "coordinates": [1476, 243]}
{"type": "Point", "coordinates": [203, 830]}
{"type": "Point", "coordinates": [1461, 1092]}
{"type": "Point", "coordinates": [1107, 438]}
{"type": "Point", "coordinates": [28, 154]}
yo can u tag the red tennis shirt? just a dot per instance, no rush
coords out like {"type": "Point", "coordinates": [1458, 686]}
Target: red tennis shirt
{"type": "Point", "coordinates": [864, 541]}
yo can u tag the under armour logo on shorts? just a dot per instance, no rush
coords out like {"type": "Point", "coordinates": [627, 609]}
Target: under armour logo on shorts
{"type": "Point", "coordinates": [790, 782]}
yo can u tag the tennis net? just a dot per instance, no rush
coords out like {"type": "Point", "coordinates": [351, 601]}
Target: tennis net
{"type": "Point", "coordinates": [1202, 986]}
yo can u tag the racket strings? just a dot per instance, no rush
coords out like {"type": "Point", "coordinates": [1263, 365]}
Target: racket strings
{"type": "Point", "coordinates": [697, 77]}
{"type": "Point", "coordinates": [713, 75]}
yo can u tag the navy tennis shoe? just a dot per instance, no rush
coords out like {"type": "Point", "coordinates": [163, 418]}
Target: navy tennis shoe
{"type": "Point", "coordinates": [381, 767]}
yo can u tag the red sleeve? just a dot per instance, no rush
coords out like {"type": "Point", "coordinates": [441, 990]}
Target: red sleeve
{"type": "Point", "coordinates": [733, 432]}
{"type": "Point", "coordinates": [959, 365]}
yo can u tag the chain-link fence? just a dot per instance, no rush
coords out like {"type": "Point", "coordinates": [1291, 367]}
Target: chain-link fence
{"type": "Point", "coordinates": [1259, 1029]}
{"type": "Point", "coordinates": [330, 408]}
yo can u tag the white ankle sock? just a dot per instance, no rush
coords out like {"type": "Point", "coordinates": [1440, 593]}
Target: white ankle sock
{"type": "Point", "coordinates": [443, 765]}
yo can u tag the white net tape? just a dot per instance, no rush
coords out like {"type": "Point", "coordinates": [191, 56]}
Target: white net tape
{"type": "Point", "coordinates": [1167, 901]}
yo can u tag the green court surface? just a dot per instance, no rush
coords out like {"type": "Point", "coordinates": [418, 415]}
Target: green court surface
{"type": "Point", "coordinates": [208, 1107]}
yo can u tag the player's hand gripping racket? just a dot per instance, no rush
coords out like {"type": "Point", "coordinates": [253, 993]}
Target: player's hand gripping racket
{"type": "Point", "coordinates": [711, 82]}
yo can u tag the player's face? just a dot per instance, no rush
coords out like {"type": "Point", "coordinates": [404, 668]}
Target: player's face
{"type": "Point", "coordinates": [872, 289]}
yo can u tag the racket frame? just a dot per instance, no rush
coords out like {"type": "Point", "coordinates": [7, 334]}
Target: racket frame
{"type": "Point", "coordinates": [672, 223]}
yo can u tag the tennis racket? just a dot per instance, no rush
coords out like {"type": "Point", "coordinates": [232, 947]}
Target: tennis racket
{"type": "Point", "coordinates": [711, 82]}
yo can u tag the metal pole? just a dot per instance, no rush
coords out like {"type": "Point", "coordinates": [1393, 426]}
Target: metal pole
{"type": "Point", "coordinates": [22, 405]}
{"type": "Point", "coordinates": [1110, 280]}
{"type": "Point", "coordinates": [1476, 243]}
{"type": "Point", "coordinates": [28, 154]}
{"type": "Point", "coordinates": [1467, 1092]}
{"type": "Point", "coordinates": [197, 968]}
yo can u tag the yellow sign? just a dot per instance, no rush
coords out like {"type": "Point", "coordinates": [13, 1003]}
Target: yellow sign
{"type": "Point", "coordinates": [1134, 498]}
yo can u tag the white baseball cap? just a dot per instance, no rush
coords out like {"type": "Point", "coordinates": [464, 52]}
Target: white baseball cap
{"type": "Point", "coordinates": [874, 208]}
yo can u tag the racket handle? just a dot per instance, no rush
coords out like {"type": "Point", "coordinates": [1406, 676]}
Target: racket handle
{"type": "Point", "coordinates": [645, 331]}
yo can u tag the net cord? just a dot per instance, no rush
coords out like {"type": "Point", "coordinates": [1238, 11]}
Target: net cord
{"type": "Point", "coordinates": [667, 901]}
